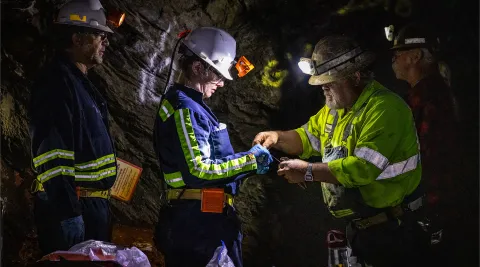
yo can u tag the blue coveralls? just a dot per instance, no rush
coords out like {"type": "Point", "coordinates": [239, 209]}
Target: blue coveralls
{"type": "Point", "coordinates": [71, 147]}
{"type": "Point", "coordinates": [194, 151]}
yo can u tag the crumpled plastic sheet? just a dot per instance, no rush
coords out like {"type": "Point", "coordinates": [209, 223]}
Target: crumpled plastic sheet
{"type": "Point", "coordinates": [220, 258]}
{"type": "Point", "coordinates": [132, 257]}
{"type": "Point", "coordinates": [127, 257]}
{"type": "Point", "coordinates": [86, 247]}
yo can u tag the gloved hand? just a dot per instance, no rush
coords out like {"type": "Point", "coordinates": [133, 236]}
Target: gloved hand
{"type": "Point", "coordinates": [263, 157]}
{"type": "Point", "coordinates": [73, 230]}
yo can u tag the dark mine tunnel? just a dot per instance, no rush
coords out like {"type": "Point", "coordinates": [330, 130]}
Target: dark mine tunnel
{"type": "Point", "coordinates": [282, 224]}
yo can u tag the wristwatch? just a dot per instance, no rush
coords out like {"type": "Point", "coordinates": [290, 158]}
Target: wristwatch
{"type": "Point", "coordinates": [308, 174]}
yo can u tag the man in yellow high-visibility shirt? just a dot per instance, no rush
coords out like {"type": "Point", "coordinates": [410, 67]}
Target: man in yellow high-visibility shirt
{"type": "Point", "coordinates": [370, 170]}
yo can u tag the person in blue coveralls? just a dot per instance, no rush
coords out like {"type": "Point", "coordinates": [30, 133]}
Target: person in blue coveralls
{"type": "Point", "coordinates": [197, 160]}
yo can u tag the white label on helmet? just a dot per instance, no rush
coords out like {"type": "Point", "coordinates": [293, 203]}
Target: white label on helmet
{"type": "Point", "coordinates": [415, 41]}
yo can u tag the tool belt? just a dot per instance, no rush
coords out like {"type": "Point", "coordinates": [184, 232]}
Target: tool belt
{"type": "Point", "coordinates": [391, 213]}
{"type": "Point", "coordinates": [81, 192]}
{"type": "Point", "coordinates": [212, 199]}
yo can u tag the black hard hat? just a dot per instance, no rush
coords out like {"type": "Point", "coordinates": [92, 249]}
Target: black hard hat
{"type": "Point", "coordinates": [414, 36]}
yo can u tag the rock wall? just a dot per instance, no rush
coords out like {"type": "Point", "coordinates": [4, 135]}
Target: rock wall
{"type": "Point", "coordinates": [284, 225]}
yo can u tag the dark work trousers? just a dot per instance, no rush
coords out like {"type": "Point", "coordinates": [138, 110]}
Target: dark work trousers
{"type": "Point", "coordinates": [390, 244]}
{"type": "Point", "coordinates": [188, 237]}
{"type": "Point", "coordinates": [49, 231]}
{"type": "Point", "coordinates": [96, 217]}
{"type": "Point", "coordinates": [456, 244]}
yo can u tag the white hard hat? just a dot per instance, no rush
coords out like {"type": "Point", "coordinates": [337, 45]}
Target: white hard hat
{"type": "Point", "coordinates": [215, 46]}
{"type": "Point", "coordinates": [84, 13]}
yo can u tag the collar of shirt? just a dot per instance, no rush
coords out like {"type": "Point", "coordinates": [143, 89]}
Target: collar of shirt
{"type": "Point", "coordinates": [197, 97]}
{"type": "Point", "coordinates": [192, 93]}
{"type": "Point", "coordinates": [423, 90]}
{"type": "Point", "coordinates": [369, 89]}
{"type": "Point", "coordinates": [63, 57]}
{"type": "Point", "coordinates": [87, 84]}
{"type": "Point", "coordinates": [364, 96]}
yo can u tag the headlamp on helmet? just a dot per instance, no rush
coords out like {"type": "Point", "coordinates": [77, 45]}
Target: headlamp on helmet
{"type": "Point", "coordinates": [307, 66]}
{"type": "Point", "coordinates": [115, 16]}
{"type": "Point", "coordinates": [243, 66]}
{"type": "Point", "coordinates": [90, 14]}
{"type": "Point", "coordinates": [389, 32]}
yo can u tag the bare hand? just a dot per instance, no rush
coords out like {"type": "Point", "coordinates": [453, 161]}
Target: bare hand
{"type": "Point", "coordinates": [293, 170]}
{"type": "Point", "coordinates": [266, 139]}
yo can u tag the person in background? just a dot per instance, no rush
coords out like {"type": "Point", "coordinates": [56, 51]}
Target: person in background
{"type": "Point", "coordinates": [199, 165]}
{"type": "Point", "coordinates": [72, 150]}
{"type": "Point", "coordinates": [436, 118]}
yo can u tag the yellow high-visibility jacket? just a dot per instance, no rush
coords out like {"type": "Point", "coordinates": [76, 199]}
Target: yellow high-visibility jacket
{"type": "Point", "coordinates": [381, 162]}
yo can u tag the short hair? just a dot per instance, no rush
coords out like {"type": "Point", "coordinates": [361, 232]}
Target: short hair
{"type": "Point", "coordinates": [427, 57]}
{"type": "Point", "coordinates": [366, 76]}
{"type": "Point", "coordinates": [63, 35]}
{"type": "Point", "coordinates": [186, 61]}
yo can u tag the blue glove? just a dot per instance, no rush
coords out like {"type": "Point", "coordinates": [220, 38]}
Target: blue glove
{"type": "Point", "coordinates": [73, 230]}
{"type": "Point", "coordinates": [262, 169]}
{"type": "Point", "coordinates": [263, 157]}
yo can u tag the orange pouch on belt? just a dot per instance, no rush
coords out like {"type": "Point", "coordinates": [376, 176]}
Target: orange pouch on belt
{"type": "Point", "coordinates": [213, 200]}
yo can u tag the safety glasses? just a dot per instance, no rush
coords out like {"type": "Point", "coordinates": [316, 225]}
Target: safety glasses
{"type": "Point", "coordinates": [102, 35]}
{"type": "Point", "coordinates": [97, 34]}
{"type": "Point", "coordinates": [218, 76]}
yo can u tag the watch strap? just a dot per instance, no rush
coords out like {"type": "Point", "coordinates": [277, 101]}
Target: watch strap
{"type": "Point", "coordinates": [309, 174]}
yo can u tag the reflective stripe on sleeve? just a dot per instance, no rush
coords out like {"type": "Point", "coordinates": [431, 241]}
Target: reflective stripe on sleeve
{"type": "Point", "coordinates": [314, 141]}
{"type": "Point", "coordinates": [95, 164]}
{"type": "Point", "coordinates": [174, 179]}
{"type": "Point", "coordinates": [53, 172]}
{"type": "Point", "coordinates": [205, 168]}
{"type": "Point", "coordinates": [398, 168]}
{"type": "Point", "coordinates": [53, 154]}
{"type": "Point", "coordinates": [372, 156]}
{"type": "Point", "coordinates": [95, 176]}
{"type": "Point", "coordinates": [166, 110]}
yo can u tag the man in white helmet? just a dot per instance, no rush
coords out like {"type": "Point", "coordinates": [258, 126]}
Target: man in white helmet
{"type": "Point", "coordinates": [72, 151]}
{"type": "Point", "coordinates": [198, 162]}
